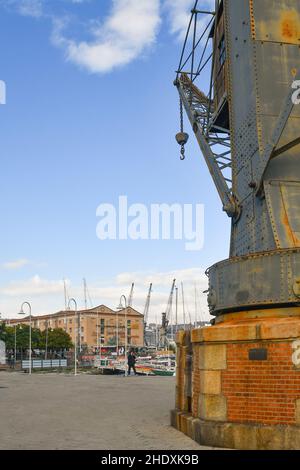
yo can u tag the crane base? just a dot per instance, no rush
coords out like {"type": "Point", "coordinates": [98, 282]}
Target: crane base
{"type": "Point", "coordinates": [238, 382]}
{"type": "Point", "coordinates": [261, 280]}
{"type": "Point", "coordinates": [235, 435]}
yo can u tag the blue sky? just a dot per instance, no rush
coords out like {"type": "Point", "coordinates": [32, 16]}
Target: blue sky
{"type": "Point", "coordinates": [91, 114]}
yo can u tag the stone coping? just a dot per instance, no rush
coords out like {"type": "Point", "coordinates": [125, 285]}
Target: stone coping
{"type": "Point", "coordinates": [253, 329]}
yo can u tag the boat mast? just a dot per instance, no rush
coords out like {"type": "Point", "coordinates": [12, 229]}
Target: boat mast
{"type": "Point", "coordinates": [183, 306]}
{"type": "Point", "coordinates": [85, 293]}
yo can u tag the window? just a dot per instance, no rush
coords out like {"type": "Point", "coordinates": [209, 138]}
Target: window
{"type": "Point", "coordinates": [70, 330]}
{"type": "Point", "coordinates": [222, 51]}
{"type": "Point", "coordinates": [129, 330]}
{"type": "Point", "coordinates": [102, 327]}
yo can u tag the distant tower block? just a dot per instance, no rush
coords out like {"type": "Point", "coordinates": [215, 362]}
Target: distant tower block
{"type": "Point", "coordinates": [247, 123]}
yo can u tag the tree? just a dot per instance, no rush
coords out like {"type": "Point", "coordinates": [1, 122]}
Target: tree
{"type": "Point", "coordinates": [22, 332]}
{"type": "Point", "coordinates": [57, 339]}
{"type": "Point", "coordinates": [23, 337]}
{"type": "Point", "coordinates": [20, 335]}
{"type": "Point", "coordinates": [3, 332]}
{"type": "Point", "coordinates": [8, 337]}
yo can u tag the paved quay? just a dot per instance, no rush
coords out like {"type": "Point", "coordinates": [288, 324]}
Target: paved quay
{"type": "Point", "coordinates": [60, 411]}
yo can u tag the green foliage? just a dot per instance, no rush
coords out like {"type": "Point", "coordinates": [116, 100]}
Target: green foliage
{"type": "Point", "coordinates": [57, 338]}
{"type": "Point", "coordinates": [22, 334]}
{"type": "Point", "coordinates": [2, 331]}
{"type": "Point", "coordinates": [9, 337]}
{"type": "Point", "coordinates": [112, 341]}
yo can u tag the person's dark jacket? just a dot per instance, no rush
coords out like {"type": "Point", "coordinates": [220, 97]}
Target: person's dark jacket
{"type": "Point", "coordinates": [131, 359]}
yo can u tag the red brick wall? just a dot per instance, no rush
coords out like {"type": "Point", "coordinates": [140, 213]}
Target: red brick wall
{"type": "Point", "coordinates": [261, 391]}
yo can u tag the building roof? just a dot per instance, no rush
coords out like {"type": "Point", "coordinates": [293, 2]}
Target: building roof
{"type": "Point", "coordinates": [103, 309]}
{"type": "Point", "coordinates": [130, 311]}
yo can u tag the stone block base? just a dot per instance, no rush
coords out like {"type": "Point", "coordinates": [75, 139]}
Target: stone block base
{"type": "Point", "coordinates": [238, 382]}
{"type": "Point", "coordinates": [236, 436]}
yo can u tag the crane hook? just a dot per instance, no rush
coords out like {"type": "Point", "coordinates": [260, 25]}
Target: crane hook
{"type": "Point", "coordinates": [182, 156]}
{"type": "Point", "coordinates": [182, 138]}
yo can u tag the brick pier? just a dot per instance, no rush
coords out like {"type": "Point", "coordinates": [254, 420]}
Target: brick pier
{"type": "Point", "coordinates": [238, 382]}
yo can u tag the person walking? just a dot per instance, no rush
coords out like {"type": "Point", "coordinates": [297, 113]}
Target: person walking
{"type": "Point", "coordinates": [131, 362]}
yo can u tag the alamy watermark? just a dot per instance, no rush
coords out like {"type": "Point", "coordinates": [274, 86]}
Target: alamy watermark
{"type": "Point", "coordinates": [2, 92]}
{"type": "Point", "coordinates": [296, 94]}
{"type": "Point", "coordinates": [156, 222]}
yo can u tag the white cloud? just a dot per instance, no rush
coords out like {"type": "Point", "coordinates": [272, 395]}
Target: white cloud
{"type": "Point", "coordinates": [179, 13]}
{"type": "Point", "coordinates": [32, 8]}
{"type": "Point", "coordinates": [129, 30]}
{"type": "Point", "coordinates": [17, 264]}
{"type": "Point", "coordinates": [32, 287]}
{"type": "Point", "coordinates": [47, 296]}
{"type": "Point", "coordinates": [126, 33]}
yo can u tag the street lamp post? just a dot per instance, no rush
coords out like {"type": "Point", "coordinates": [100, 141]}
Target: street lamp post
{"type": "Point", "coordinates": [99, 336]}
{"type": "Point", "coordinates": [97, 331]}
{"type": "Point", "coordinates": [117, 334]}
{"type": "Point", "coordinates": [15, 345]}
{"type": "Point", "coordinates": [100, 351]}
{"type": "Point", "coordinates": [22, 313]}
{"type": "Point", "coordinates": [46, 342]}
{"type": "Point", "coordinates": [19, 328]}
{"type": "Point", "coordinates": [120, 307]}
{"type": "Point", "coordinates": [75, 343]}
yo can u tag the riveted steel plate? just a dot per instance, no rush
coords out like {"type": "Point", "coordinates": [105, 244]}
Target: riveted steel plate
{"type": "Point", "coordinates": [271, 23]}
{"type": "Point", "coordinates": [262, 65]}
{"type": "Point", "coordinates": [254, 281]}
{"type": "Point", "coordinates": [283, 199]}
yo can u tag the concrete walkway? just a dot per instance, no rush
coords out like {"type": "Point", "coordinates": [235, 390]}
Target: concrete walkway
{"type": "Point", "coordinates": [60, 411]}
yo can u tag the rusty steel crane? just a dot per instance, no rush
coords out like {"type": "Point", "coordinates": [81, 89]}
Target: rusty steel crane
{"type": "Point", "coordinates": [245, 119]}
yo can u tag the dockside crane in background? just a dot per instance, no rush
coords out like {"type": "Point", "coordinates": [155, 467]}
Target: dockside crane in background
{"type": "Point", "coordinates": [146, 312]}
{"type": "Point", "coordinates": [130, 298]}
{"type": "Point", "coordinates": [163, 340]}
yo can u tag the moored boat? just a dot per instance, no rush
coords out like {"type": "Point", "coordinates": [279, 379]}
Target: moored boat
{"type": "Point", "coordinates": [166, 372]}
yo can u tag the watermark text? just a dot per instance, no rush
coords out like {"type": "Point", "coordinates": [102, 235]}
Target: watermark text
{"type": "Point", "coordinates": [156, 222]}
